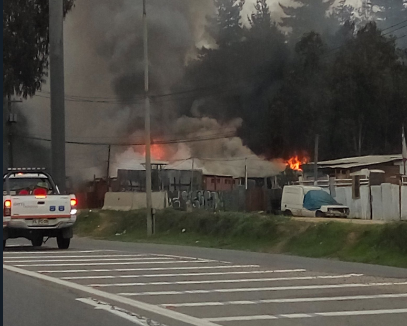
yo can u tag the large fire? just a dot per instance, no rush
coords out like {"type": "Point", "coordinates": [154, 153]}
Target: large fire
{"type": "Point", "coordinates": [158, 152]}
{"type": "Point", "coordinates": [295, 162]}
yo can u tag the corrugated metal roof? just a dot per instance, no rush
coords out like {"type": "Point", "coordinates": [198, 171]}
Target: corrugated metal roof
{"type": "Point", "coordinates": [351, 162]}
{"type": "Point", "coordinates": [256, 168]}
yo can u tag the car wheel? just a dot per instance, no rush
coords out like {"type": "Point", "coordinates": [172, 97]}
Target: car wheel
{"type": "Point", "coordinates": [37, 242]}
{"type": "Point", "coordinates": [288, 213]}
{"type": "Point", "coordinates": [63, 243]}
{"type": "Point", "coordinates": [319, 214]}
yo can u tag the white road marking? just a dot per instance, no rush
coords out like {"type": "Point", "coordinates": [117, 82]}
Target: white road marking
{"type": "Point", "coordinates": [117, 263]}
{"type": "Point", "coordinates": [229, 281]}
{"type": "Point", "coordinates": [309, 315]}
{"type": "Point", "coordinates": [41, 252]}
{"type": "Point", "coordinates": [186, 257]}
{"type": "Point", "coordinates": [181, 274]}
{"type": "Point", "coordinates": [288, 300]}
{"type": "Point", "coordinates": [362, 312]}
{"type": "Point", "coordinates": [141, 259]}
{"type": "Point", "coordinates": [77, 256]}
{"type": "Point", "coordinates": [242, 318]}
{"type": "Point", "coordinates": [149, 269]}
{"type": "Point", "coordinates": [276, 288]}
{"type": "Point", "coordinates": [113, 297]}
{"type": "Point", "coordinates": [134, 318]}
{"type": "Point", "coordinates": [292, 316]}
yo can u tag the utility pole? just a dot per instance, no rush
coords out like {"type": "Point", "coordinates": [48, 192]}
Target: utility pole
{"type": "Point", "coordinates": [316, 160]}
{"type": "Point", "coordinates": [245, 174]}
{"type": "Point", "coordinates": [150, 217]}
{"type": "Point", "coordinates": [57, 88]}
{"type": "Point", "coordinates": [108, 168]}
{"type": "Point", "coordinates": [192, 175]}
{"type": "Point", "coordinates": [11, 120]}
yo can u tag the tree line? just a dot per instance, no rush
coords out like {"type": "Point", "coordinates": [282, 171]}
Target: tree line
{"type": "Point", "coordinates": [339, 72]}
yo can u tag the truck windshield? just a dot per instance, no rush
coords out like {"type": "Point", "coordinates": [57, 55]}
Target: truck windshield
{"type": "Point", "coordinates": [27, 186]}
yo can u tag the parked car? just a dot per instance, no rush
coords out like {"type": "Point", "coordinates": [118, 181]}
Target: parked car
{"type": "Point", "coordinates": [309, 201]}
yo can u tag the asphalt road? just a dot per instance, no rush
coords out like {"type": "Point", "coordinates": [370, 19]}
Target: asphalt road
{"type": "Point", "coordinates": [112, 283]}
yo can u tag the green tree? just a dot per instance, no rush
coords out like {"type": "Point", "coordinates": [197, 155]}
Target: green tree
{"type": "Point", "coordinates": [226, 26]}
{"type": "Point", "coordinates": [26, 45]}
{"type": "Point", "coordinates": [366, 82]}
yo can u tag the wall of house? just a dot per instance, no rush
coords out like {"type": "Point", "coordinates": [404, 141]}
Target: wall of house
{"type": "Point", "coordinates": [385, 202]}
{"type": "Point", "coordinates": [404, 203]}
{"type": "Point", "coordinates": [218, 183]}
{"type": "Point", "coordinates": [359, 207]}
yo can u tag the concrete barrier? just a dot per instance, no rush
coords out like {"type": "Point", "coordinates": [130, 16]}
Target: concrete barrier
{"type": "Point", "coordinates": [118, 201]}
{"type": "Point", "coordinates": [158, 200]}
{"type": "Point", "coordinates": [126, 201]}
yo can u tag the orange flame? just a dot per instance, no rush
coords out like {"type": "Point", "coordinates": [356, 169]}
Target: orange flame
{"type": "Point", "coordinates": [294, 163]}
{"type": "Point", "coordinates": [157, 152]}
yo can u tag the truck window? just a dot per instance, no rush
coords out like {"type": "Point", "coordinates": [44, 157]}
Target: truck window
{"type": "Point", "coordinates": [27, 186]}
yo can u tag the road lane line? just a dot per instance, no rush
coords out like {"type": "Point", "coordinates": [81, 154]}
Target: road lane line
{"type": "Point", "coordinates": [88, 260]}
{"type": "Point", "coordinates": [229, 281]}
{"type": "Point", "coordinates": [77, 256]}
{"type": "Point", "coordinates": [116, 263]}
{"type": "Point", "coordinates": [187, 257]}
{"type": "Point", "coordinates": [181, 274]}
{"type": "Point", "coordinates": [242, 318]}
{"type": "Point", "coordinates": [148, 269]}
{"type": "Point", "coordinates": [276, 288]}
{"type": "Point", "coordinates": [41, 252]}
{"type": "Point", "coordinates": [99, 305]}
{"type": "Point", "coordinates": [116, 298]}
{"type": "Point", "coordinates": [288, 300]}
{"type": "Point", "coordinates": [310, 315]}
{"type": "Point", "coordinates": [362, 312]}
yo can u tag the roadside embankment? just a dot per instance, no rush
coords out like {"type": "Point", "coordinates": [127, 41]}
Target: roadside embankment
{"type": "Point", "coordinates": [384, 244]}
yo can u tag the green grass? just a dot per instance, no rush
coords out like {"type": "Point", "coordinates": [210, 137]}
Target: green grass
{"type": "Point", "coordinates": [384, 244]}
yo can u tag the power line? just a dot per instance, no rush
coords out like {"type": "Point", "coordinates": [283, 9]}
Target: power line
{"type": "Point", "coordinates": [207, 133]}
{"type": "Point", "coordinates": [167, 142]}
{"type": "Point", "coordinates": [139, 98]}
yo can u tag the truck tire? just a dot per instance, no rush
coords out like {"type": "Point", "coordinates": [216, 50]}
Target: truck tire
{"type": "Point", "coordinates": [37, 242]}
{"type": "Point", "coordinates": [63, 243]}
{"type": "Point", "coordinates": [288, 213]}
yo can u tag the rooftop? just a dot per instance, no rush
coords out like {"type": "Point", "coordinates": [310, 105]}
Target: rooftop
{"type": "Point", "coordinates": [359, 161]}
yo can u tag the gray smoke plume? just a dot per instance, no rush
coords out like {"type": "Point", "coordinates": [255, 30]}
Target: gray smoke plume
{"type": "Point", "coordinates": [104, 62]}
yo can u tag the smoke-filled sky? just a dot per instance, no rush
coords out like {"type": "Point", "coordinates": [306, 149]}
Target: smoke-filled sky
{"type": "Point", "coordinates": [104, 61]}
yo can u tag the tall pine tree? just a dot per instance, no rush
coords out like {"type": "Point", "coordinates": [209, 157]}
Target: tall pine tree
{"type": "Point", "coordinates": [226, 26]}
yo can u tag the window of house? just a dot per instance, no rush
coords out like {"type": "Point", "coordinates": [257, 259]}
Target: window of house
{"type": "Point", "coordinates": [212, 180]}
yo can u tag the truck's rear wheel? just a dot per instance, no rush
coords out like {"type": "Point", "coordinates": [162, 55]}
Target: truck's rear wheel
{"type": "Point", "coordinates": [63, 243]}
{"type": "Point", "coordinates": [37, 242]}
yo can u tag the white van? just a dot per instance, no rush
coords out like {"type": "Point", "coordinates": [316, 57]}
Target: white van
{"type": "Point", "coordinates": [309, 201]}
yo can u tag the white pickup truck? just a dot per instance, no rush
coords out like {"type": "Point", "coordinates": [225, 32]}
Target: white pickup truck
{"type": "Point", "coordinates": [33, 208]}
